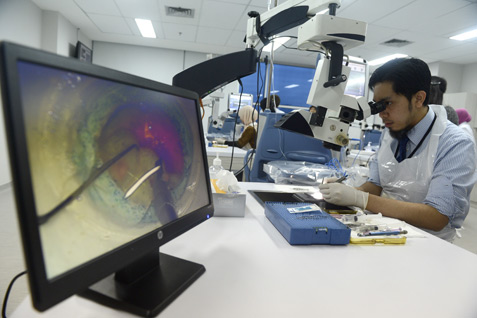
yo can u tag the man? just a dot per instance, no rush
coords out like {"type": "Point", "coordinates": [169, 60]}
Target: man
{"type": "Point", "coordinates": [424, 170]}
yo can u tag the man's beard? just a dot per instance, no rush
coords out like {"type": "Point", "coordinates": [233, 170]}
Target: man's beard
{"type": "Point", "coordinates": [400, 133]}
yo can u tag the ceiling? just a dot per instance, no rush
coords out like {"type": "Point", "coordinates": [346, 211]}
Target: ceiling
{"type": "Point", "coordinates": [219, 26]}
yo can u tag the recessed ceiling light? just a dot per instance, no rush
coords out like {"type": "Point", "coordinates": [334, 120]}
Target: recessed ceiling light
{"type": "Point", "coordinates": [146, 28]}
{"type": "Point", "coordinates": [465, 36]}
{"type": "Point", "coordinates": [385, 59]}
{"type": "Point", "coordinates": [277, 42]}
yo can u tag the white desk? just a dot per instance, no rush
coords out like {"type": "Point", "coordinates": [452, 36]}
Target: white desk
{"type": "Point", "coordinates": [225, 155]}
{"type": "Point", "coordinates": [251, 271]}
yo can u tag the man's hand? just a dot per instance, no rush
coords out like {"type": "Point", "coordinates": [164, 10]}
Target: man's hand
{"type": "Point", "coordinates": [341, 194]}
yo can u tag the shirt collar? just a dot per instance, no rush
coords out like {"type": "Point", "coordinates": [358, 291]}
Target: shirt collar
{"type": "Point", "coordinates": [417, 132]}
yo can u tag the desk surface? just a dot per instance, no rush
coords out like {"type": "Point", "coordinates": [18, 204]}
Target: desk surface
{"type": "Point", "coordinates": [252, 271]}
{"type": "Point", "coordinates": [226, 152]}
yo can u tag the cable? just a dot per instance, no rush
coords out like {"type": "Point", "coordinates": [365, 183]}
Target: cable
{"type": "Point", "coordinates": [202, 107]}
{"type": "Point", "coordinates": [259, 89]}
{"type": "Point", "coordinates": [243, 168]}
{"type": "Point", "coordinates": [235, 124]}
{"type": "Point", "coordinates": [334, 164]}
{"type": "Point", "coordinates": [7, 293]}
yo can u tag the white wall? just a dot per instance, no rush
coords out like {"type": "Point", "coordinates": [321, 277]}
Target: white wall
{"type": "Point", "coordinates": [453, 75]}
{"type": "Point", "coordinates": [469, 79]}
{"type": "Point", "coordinates": [153, 63]}
{"type": "Point", "coordinates": [22, 22]}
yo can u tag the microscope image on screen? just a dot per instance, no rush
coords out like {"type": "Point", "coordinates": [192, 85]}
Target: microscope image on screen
{"type": "Point", "coordinates": [109, 162]}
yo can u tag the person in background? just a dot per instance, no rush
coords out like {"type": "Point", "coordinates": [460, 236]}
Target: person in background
{"type": "Point", "coordinates": [424, 170]}
{"type": "Point", "coordinates": [438, 88]}
{"type": "Point", "coordinates": [464, 119]}
{"type": "Point", "coordinates": [274, 103]}
{"type": "Point", "coordinates": [452, 115]}
{"type": "Point", "coordinates": [436, 97]}
{"type": "Point", "coordinates": [247, 140]}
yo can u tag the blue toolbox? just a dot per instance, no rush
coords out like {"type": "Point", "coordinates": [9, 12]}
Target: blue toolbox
{"type": "Point", "coordinates": [301, 225]}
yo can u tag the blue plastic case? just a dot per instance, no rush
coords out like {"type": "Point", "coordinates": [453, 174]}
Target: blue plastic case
{"type": "Point", "coordinates": [315, 227]}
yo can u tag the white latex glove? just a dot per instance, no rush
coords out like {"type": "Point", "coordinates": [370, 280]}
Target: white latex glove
{"type": "Point", "coordinates": [329, 180]}
{"type": "Point", "coordinates": [342, 194]}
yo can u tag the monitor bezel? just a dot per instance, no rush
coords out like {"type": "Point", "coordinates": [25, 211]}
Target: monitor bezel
{"type": "Point", "coordinates": [47, 292]}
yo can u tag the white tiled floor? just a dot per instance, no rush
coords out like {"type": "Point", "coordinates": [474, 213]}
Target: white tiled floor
{"type": "Point", "coordinates": [12, 258]}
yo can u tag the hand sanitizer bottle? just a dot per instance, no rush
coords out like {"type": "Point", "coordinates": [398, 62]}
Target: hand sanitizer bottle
{"type": "Point", "coordinates": [215, 168]}
{"type": "Point", "coordinates": [368, 147]}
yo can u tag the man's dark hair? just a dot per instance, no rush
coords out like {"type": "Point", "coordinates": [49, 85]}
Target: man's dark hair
{"type": "Point", "coordinates": [408, 76]}
{"type": "Point", "coordinates": [438, 88]}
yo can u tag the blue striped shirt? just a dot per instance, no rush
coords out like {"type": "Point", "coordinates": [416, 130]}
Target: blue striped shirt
{"type": "Point", "coordinates": [454, 172]}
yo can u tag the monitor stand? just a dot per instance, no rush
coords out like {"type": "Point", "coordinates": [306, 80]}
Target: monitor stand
{"type": "Point", "coordinates": [146, 294]}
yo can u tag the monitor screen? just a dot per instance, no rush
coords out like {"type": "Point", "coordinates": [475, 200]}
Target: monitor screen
{"type": "Point", "coordinates": [236, 99]}
{"type": "Point", "coordinates": [357, 84]}
{"type": "Point", "coordinates": [106, 167]}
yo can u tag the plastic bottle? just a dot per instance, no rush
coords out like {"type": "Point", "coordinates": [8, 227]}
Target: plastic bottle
{"type": "Point", "coordinates": [215, 168]}
{"type": "Point", "coordinates": [368, 147]}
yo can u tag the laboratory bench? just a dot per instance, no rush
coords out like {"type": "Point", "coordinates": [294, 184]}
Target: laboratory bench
{"type": "Point", "coordinates": [225, 154]}
{"type": "Point", "coordinates": [252, 271]}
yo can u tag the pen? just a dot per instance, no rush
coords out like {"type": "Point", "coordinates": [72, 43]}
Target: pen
{"type": "Point", "coordinates": [374, 233]}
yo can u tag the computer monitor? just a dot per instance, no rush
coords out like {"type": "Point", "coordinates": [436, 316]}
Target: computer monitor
{"type": "Point", "coordinates": [106, 168]}
{"type": "Point", "coordinates": [357, 81]}
{"type": "Point", "coordinates": [236, 99]}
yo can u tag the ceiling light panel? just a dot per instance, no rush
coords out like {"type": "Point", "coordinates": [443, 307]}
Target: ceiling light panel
{"type": "Point", "coordinates": [465, 36]}
{"type": "Point", "coordinates": [133, 26]}
{"type": "Point", "coordinates": [146, 28]}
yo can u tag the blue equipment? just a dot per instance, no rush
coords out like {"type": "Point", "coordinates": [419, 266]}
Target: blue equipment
{"type": "Point", "coordinates": [278, 144]}
{"type": "Point", "coordinates": [372, 136]}
{"type": "Point", "coordinates": [227, 128]}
